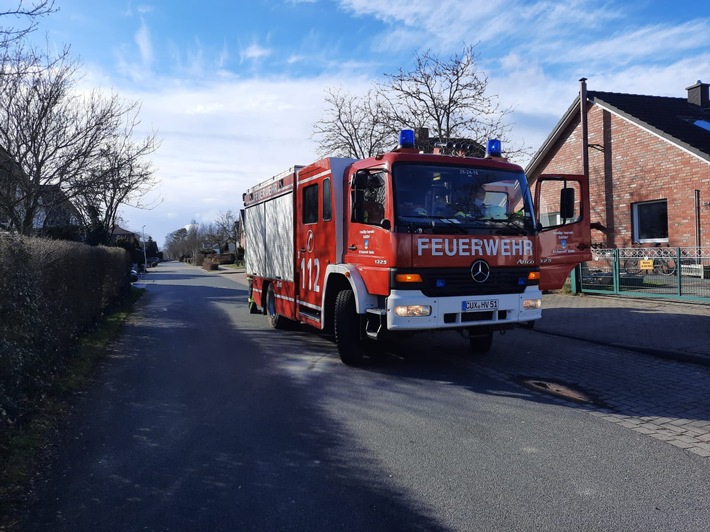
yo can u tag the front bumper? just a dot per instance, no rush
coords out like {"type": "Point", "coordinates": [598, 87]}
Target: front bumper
{"type": "Point", "coordinates": [449, 313]}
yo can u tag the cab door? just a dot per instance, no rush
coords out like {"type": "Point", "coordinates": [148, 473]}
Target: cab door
{"type": "Point", "coordinates": [564, 240]}
{"type": "Point", "coordinates": [367, 235]}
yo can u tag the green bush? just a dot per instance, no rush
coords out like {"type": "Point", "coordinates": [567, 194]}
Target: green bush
{"type": "Point", "coordinates": [225, 258]}
{"type": "Point", "coordinates": [51, 291]}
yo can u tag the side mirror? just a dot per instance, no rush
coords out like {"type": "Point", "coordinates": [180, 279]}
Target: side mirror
{"type": "Point", "coordinates": [567, 203]}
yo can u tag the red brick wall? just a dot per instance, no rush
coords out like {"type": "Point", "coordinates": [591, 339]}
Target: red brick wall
{"type": "Point", "coordinates": [627, 165]}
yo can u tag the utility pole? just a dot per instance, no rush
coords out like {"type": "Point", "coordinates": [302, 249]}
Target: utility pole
{"type": "Point", "coordinates": [145, 258]}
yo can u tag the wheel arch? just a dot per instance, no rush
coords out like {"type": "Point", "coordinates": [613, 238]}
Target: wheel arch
{"type": "Point", "coordinates": [342, 277]}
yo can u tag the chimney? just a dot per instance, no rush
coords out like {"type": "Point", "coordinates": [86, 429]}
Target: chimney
{"type": "Point", "coordinates": [698, 94]}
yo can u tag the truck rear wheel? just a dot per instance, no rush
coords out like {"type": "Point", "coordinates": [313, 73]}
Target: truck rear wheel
{"type": "Point", "coordinates": [480, 343]}
{"type": "Point", "coordinates": [347, 328]}
{"type": "Point", "coordinates": [275, 320]}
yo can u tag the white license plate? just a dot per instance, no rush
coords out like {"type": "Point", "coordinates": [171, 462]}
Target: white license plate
{"type": "Point", "coordinates": [485, 304]}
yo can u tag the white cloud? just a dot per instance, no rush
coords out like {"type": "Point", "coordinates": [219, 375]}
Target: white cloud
{"type": "Point", "coordinates": [254, 52]}
{"type": "Point", "coordinates": [223, 133]}
{"type": "Point", "coordinates": [648, 44]}
{"type": "Point", "coordinates": [144, 9]}
{"type": "Point", "coordinates": [145, 47]}
{"type": "Point", "coordinates": [223, 56]}
{"type": "Point", "coordinates": [220, 138]}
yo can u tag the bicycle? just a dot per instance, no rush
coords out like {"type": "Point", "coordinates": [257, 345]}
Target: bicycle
{"type": "Point", "coordinates": [664, 265]}
{"type": "Point", "coordinates": [631, 266]}
{"type": "Point", "coordinates": [659, 265]}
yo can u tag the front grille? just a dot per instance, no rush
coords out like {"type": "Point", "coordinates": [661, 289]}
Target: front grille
{"type": "Point", "coordinates": [458, 282]}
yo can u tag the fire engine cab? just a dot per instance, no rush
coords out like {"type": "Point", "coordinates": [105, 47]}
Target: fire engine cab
{"type": "Point", "coordinates": [408, 242]}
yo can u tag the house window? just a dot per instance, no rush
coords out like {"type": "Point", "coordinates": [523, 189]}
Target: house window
{"type": "Point", "coordinates": [327, 201]}
{"type": "Point", "coordinates": [650, 221]}
{"type": "Point", "coordinates": [310, 204]}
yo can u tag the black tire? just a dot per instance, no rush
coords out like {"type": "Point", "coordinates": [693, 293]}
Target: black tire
{"type": "Point", "coordinates": [253, 309]}
{"type": "Point", "coordinates": [480, 343]}
{"type": "Point", "coordinates": [275, 320]}
{"type": "Point", "coordinates": [347, 328]}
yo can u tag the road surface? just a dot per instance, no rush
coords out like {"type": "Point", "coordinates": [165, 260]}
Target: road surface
{"type": "Point", "coordinates": [204, 418]}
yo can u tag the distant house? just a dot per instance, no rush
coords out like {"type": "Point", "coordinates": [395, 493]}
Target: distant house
{"type": "Point", "coordinates": [649, 165]}
{"type": "Point", "coordinates": [55, 210]}
{"type": "Point", "coordinates": [118, 232]}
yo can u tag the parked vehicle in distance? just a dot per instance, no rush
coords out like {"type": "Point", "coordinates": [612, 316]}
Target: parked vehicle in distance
{"type": "Point", "coordinates": [153, 262]}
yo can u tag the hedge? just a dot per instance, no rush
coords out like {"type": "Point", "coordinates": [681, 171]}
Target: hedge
{"type": "Point", "coordinates": [50, 292]}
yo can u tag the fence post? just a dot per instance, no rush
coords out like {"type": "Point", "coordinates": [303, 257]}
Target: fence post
{"type": "Point", "coordinates": [678, 272]}
{"type": "Point", "coordinates": [575, 279]}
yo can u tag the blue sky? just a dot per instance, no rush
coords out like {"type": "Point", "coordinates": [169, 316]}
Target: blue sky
{"type": "Point", "coordinates": [233, 87]}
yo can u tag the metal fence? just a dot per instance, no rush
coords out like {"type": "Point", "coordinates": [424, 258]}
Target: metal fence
{"type": "Point", "coordinates": [653, 272]}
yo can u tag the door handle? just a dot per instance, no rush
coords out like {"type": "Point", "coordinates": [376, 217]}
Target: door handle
{"type": "Point", "coordinates": [352, 247]}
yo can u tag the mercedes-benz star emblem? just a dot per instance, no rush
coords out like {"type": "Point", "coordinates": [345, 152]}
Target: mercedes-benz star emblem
{"type": "Point", "coordinates": [480, 271]}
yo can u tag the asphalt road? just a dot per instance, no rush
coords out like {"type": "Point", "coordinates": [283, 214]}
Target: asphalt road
{"type": "Point", "coordinates": [204, 418]}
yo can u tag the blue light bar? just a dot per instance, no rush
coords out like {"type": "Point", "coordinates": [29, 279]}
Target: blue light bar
{"type": "Point", "coordinates": [406, 138]}
{"type": "Point", "coordinates": [494, 148]}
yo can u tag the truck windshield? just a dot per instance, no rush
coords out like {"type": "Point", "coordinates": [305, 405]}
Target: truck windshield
{"type": "Point", "coordinates": [461, 199]}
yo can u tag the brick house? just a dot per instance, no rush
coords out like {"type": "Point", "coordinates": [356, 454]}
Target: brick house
{"type": "Point", "coordinates": [648, 160]}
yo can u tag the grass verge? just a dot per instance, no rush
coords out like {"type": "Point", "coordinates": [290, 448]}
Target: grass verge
{"type": "Point", "coordinates": [29, 447]}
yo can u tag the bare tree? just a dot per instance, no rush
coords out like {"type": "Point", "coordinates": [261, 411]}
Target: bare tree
{"type": "Point", "coordinates": [352, 127]}
{"type": "Point", "coordinates": [183, 242]}
{"type": "Point", "coordinates": [10, 34]}
{"type": "Point", "coordinates": [209, 235]}
{"type": "Point", "coordinates": [120, 175]}
{"type": "Point", "coordinates": [58, 138]}
{"type": "Point", "coordinates": [227, 227]}
{"type": "Point", "coordinates": [176, 246]}
{"type": "Point", "coordinates": [448, 97]}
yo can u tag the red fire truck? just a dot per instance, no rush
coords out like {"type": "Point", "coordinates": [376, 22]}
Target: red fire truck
{"type": "Point", "coordinates": [407, 242]}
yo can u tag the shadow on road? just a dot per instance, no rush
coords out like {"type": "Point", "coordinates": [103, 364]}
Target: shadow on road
{"type": "Point", "coordinates": [192, 425]}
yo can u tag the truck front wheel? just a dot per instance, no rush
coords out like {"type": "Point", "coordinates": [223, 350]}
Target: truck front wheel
{"type": "Point", "coordinates": [347, 328]}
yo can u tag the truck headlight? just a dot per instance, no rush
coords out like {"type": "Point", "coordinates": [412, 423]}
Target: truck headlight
{"type": "Point", "coordinates": [412, 311]}
{"type": "Point", "coordinates": [532, 304]}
